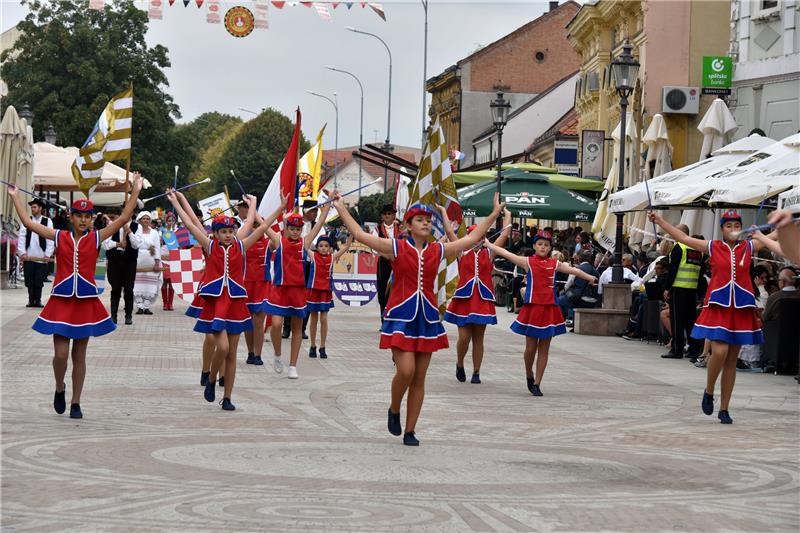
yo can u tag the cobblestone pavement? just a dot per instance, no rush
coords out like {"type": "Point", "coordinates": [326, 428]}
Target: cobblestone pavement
{"type": "Point", "coordinates": [618, 442]}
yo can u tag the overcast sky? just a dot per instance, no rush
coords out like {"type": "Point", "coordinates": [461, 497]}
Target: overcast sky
{"type": "Point", "coordinates": [213, 71]}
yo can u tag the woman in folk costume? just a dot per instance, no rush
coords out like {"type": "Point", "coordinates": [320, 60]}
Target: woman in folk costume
{"type": "Point", "coordinates": [540, 318]}
{"type": "Point", "coordinates": [319, 294]}
{"type": "Point", "coordinates": [224, 316]}
{"type": "Point", "coordinates": [728, 318]}
{"type": "Point", "coordinates": [148, 264]}
{"type": "Point", "coordinates": [287, 297]}
{"type": "Point", "coordinates": [74, 312]}
{"type": "Point", "coordinates": [411, 327]}
{"type": "Point", "coordinates": [472, 305]}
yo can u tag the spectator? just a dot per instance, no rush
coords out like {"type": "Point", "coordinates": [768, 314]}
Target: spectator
{"type": "Point", "coordinates": [578, 293]}
{"type": "Point", "coordinates": [681, 292]}
{"type": "Point", "coordinates": [627, 273]}
{"type": "Point", "coordinates": [516, 243]}
{"type": "Point", "coordinates": [750, 354]}
{"type": "Point", "coordinates": [642, 264]}
{"type": "Point", "coordinates": [634, 329]}
{"type": "Point", "coordinates": [35, 253]}
{"type": "Point", "coordinates": [787, 281]}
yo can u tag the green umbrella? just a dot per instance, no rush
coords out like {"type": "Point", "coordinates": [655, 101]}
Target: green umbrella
{"type": "Point", "coordinates": [527, 195]}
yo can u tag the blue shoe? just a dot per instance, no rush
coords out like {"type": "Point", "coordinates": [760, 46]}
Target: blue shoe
{"type": "Point", "coordinates": [410, 440]}
{"type": "Point", "coordinates": [536, 391]}
{"type": "Point", "coordinates": [204, 378]}
{"type": "Point", "coordinates": [221, 381]}
{"type": "Point", "coordinates": [322, 353]}
{"type": "Point", "coordinates": [708, 403]}
{"type": "Point", "coordinates": [394, 423]}
{"type": "Point", "coordinates": [460, 374]}
{"type": "Point", "coordinates": [250, 357]}
{"type": "Point", "coordinates": [725, 418]}
{"type": "Point", "coordinates": [60, 402]}
{"type": "Point", "coordinates": [312, 352]}
{"type": "Point", "coordinates": [208, 394]}
{"type": "Point", "coordinates": [227, 405]}
{"type": "Point", "coordinates": [530, 385]}
{"type": "Point", "coordinates": [257, 360]}
{"type": "Point", "coordinates": [75, 411]}
{"type": "Point", "coordinates": [476, 378]}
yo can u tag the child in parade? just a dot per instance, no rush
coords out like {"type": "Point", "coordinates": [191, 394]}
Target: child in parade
{"type": "Point", "coordinates": [224, 315]}
{"type": "Point", "coordinates": [75, 312]}
{"type": "Point", "coordinates": [287, 297]}
{"type": "Point", "coordinates": [728, 318]}
{"type": "Point", "coordinates": [412, 328]}
{"type": "Point", "coordinates": [318, 290]}
{"type": "Point", "coordinates": [257, 283]}
{"type": "Point", "coordinates": [473, 305]}
{"type": "Point", "coordinates": [540, 318]}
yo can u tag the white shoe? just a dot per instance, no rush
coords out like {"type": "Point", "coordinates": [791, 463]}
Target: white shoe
{"type": "Point", "coordinates": [293, 372]}
{"type": "Point", "coordinates": [277, 364]}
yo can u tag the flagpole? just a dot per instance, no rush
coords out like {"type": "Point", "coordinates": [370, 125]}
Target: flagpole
{"type": "Point", "coordinates": [127, 178]}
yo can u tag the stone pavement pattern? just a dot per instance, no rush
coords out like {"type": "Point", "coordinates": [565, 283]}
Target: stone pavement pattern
{"type": "Point", "coordinates": [618, 442]}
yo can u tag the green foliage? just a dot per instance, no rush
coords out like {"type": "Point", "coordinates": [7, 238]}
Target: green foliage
{"type": "Point", "coordinates": [369, 207]}
{"type": "Point", "coordinates": [69, 61]}
{"type": "Point", "coordinates": [196, 137]}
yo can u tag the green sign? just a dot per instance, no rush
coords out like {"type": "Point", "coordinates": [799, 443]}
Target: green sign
{"type": "Point", "coordinates": [717, 71]}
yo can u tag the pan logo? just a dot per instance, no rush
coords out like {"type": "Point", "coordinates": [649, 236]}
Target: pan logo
{"type": "Point", "coordinates": [525, 198]}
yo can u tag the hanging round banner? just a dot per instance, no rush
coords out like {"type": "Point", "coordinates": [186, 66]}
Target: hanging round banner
{"type": "Point", "coordinates": [239, 21]}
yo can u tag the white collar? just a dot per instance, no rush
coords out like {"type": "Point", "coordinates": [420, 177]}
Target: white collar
{"type": "Point", "coordinates": [789, 288]}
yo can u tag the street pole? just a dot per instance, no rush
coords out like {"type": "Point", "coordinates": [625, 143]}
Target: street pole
{"type": "Point", "coordinates": [616, 272]}
{"type": "Point", "coordinates": [499, 171]}
{"type": "Point", "coordinates": [336, 149]}
{"type": "Point", "coordinates": [424, 74]}
{"type": "Point", "coordinates": [361, 126]}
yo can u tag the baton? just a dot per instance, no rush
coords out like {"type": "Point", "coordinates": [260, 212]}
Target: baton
{"type": "Point", "coordinates": [207, 180]}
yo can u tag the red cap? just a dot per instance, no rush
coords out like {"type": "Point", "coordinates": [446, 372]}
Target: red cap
{"type": "Point", "coordinates": [82, 206]}
{"type": "Point", "coordinates": [543, 235]}
{"type": "Point", "coordinates": [294, 220]}
{"type": "Point", "coordinates": [730, 215]}
{"type": "Point", "coordinates": [417, 209]}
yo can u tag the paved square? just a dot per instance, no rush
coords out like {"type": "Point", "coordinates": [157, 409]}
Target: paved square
{"type": "Point", "coordinates": [618, 442]}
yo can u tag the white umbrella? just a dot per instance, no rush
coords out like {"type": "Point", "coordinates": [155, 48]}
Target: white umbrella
{"type": "Point", "coordinates": [790, 200]}
{"type": "Point", "coordinates": [12, 136]}
{"type": "Point", "coordinates": [659, 156]}
{"type": "Point", "coordinates": [53, 168]}
{"type": "Point", "coordinates": [604, 224]}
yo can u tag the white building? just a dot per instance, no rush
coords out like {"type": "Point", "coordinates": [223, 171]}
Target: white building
{"type": "Point", "coordinates": [765, 46]}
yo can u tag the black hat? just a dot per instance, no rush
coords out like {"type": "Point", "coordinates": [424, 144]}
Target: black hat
{"type": "Point", "coordinates": [39, 202]}
{"type": "Point", "coordinates": [388, 208]}
{"type": "Point", "coordinates": [309, 204]}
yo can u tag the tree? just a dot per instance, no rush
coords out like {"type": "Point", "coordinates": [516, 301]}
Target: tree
{"type": "Point", "coordinates": [69, 61]}
{"type": "Point", "coordinates": [195, 138]}
{"type": "Point", "coordinates": [369, 207]}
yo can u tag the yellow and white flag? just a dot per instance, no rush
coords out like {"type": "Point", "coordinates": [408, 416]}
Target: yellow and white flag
{"type": "Point", "coordinates": [310, 170]}
{"type": "Point", "coordinates": [435, 184]}
{"type": "Point", "coordinates": [110, 140]}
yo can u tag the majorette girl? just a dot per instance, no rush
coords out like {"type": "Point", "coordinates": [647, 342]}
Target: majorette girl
{"type": "Point", "coordinates": [224, 316]}
{"type": "Point", "coordinates": [473, 306]}
{"type": "Point", "coordinates": [728, 318]}
{"type": "Point", "coordinates": [411, 327]}
{"type": "Point", "coordinates": [319, 294]}
{"type": "Point", "coordinates": [540, 318]}
{"type": "Point", "coordinates": [287, 297]}
{"type": "Point", "coordinates": [74, 311]}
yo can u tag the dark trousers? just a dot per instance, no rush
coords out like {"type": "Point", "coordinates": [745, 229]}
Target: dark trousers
{"type": "Point", "coordinates": [683, 313]}
{"type": "Point", "coordinates": [384, 275]}
{"type": "Point", "coordinates": [121, 275]}
{"type": "Point", "coordinates": [35, 274]}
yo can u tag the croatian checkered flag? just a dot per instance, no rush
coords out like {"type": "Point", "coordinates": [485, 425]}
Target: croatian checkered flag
{"type": "Point", "coordinates": [185, 271]}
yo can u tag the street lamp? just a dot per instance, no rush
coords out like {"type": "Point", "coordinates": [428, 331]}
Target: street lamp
{"type": "Point", "coordinates": [361, 128]}
{"type": "Point", "coordinates": [499, 107]}
{"type": "Point", "coordinates": [50, 136]}
{"type": "Point", "coordinates": [336, 142]}
{"type": "Point", "coordinates": [626, 70]}
{"type": "Point", "coordinates": [247, 110]}
{"type": "Point", "coordinates": [387, 146]}
{"type": "Point", "coordinates": [27, 114]}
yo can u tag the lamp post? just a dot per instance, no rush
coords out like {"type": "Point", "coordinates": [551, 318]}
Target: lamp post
{"type": "Point", "coordinates": [361, 127]}
{"type": "Point", "coordinates": [336, 141]}
{"type": "Point", "coordinates": [424, 72]}
{"type": "Point", "coordinates": [625, 69]}
{"type": "Point", "coordinates": [247, 110]}
{"type": "Point", "coordinates": [27, 114]}
{"type": "Point", "coordinates": [387, 145]}
{"type": "Point", "coordinates": [50, 136]}
{"type": "Point", "coordinates": [499, 107]}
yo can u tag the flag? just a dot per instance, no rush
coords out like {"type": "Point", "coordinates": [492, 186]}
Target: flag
{"type": "Point", "coordinates": [322, 11]}
{"type": "Point", "coordinates": [435, 184]}
{"type": "Point", "coordinates": [213, 13]}
{"type": "Point", "coordinates": [199, 4]}
{"type": "Point", "coordinates": [284, 181]}
{"type": "Point", "coordinates": [349, 4]}
{"type": "Point", "coordinates": [184, 238]}
{"type": "Point", "coordinates": [186, 3]}
{"type": "Point", "coordinates": [155, 9]}
{"type": "Point", "coordinates": [261, 12]}
{"type": "Point", "coordinates": [310, 170]}
{"type": "Point", "coordinates": [186, 271]}
{"type": "Point", "coordinates": [110, 140]}
{"type": "Point", "coordinates": [279, 5]}
{"type": "Point", "coordinates": [378, 8]}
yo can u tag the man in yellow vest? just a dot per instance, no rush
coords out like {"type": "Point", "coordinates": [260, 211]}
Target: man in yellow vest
{"type": "Point", "coordinates": [680, 291]}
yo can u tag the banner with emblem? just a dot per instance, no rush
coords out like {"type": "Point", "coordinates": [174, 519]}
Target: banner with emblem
{"type": "Point", "coordinates": [185, 271]}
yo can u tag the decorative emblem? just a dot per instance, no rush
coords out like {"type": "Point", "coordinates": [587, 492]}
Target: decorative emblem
{"type": "Point", "coordinates": [239, 21]}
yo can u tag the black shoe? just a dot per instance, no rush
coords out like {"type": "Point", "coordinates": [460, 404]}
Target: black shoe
{"type": "Point", "coordinates": [305, 335]}
{"type": "Point", "coordinates": [322, 353]}
{"type": "Point", "coordinates": [257, 360]}
{"type": "Point", "coordinates": [208, 394]}
{"type": "Point", "coordinates": [312, 352]}
{"type": "Point", "coordinates": [250, 357]}
{"type": "Point", "coordinates": [128, 320]}
{"type": "Point", "coordinates": [741, 365]}
{"type": "Point", "coordinates": [724, 417]}
{"type": "Point", "coordinates": [38, 304]}
{"type": "Point", "coordinates": [708, 403]}
{"type": "Point", "coordinates": [394, 423]}
{"type": "Point", "coordinates": [536, 391]}
{"type": "Point", "coordinates": [147, 312]}
{"type": "Point", "coordinates": [410, 440]}
{"type": "Point", "coordinates": [530, 385]}
{"type": "Point", "coordinates": [476, 378]}
{"type": "Point", "coordinates": [227, 405]}
{"type": "Point", "coordinates": [285, 334]}
{"type": "Point", "coordinates": [204, 378]}
{"type": "Point", "coordinates": [671, 355]}
{"type": "Point", "coordinates": [221, 381]}
{"type": "Point", "coordinates": [693, 359]}
{"type": "Point", "coordinates": [460, 374]}
{"type": "Point", "coordinates": [30, 304]}
{"type": "Point", "coordinates": [114, 319]}
{"type": "Point", "coordinates": [75, 411]}
{"type": "Point", "coordinates": [60, 402]}
{"type": "Point", "coordinates": [140, 311]}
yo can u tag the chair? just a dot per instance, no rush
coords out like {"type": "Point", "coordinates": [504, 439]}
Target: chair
{"type": "Point", "coordinates": [782, 338]}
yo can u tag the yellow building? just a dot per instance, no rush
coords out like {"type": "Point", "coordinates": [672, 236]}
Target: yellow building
{"type": "Point", "coordinates": [669, 40]}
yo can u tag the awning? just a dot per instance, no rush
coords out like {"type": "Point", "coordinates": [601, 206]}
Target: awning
{"type": "Point", "coordinates": [568, 182]}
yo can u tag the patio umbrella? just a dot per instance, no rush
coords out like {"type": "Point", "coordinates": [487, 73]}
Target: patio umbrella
{"type": "Point", "coordinates": [790, 200]}
{"type": "Point", "coordinates": [12, 136]}
{"type": "Point", "coordinates": [527, 195]}
{"type": "Point", "coordinates": [658, 162]}
{"type": "Point", "coordinates": [572, 183]}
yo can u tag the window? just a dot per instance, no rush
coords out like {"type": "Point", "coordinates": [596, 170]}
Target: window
{"type": "Point", "coordinates": [539, 56]}
{"type": "Point", "coordinates": [769, 4]}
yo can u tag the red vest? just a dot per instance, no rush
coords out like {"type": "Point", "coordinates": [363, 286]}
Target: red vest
{"type": "Point", "coordinates": [475, 272]}
{"type": "Point", "coordinates": [224, 269]}
{"type": "Point", "coordinates": [255, 260]}
{"type": "Point", "coordinates": [75, 264]}
{"type": "Point", "coordinates": [540, 280]}
{"type": "Point", "coordinates": [382, 231]}
{"type": "Point", "coordinates": [730, 283]}
{"type": "Point", "coordinates": [413, 276]}
{"type": "Point", "coordinates": [290, 262]}
{"type": "Point", "coordinates": [321, 269]}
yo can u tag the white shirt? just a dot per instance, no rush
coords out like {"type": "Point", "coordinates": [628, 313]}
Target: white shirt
{"type": "Point", "coordinates": [605, 277]}
{"type": "Point", "coordinates": [388, 230]}
{"type": "Point", "coordinates": [34, 250]}
{"type": "Point", "coordinates": [110, 244]}
{"type": "Point", "coordinates": [149, 246]}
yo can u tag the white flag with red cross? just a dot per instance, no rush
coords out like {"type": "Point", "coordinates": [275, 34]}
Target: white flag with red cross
{"type": "Point", "coordinates": [185, 271]}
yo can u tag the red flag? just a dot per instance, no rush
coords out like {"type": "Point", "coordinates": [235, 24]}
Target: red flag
{"type": "Point", "coordinates": [199, 3]}
{"type": "Point", "coordinates": [307, 4]}
{"type": "Point", "coordinates": [289, 167]}
{"type": "Point", "coordinates": [279, 5]}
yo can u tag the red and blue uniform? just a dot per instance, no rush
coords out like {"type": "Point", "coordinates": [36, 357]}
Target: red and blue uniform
{"type": "Point", "coordinates": [319, 294]}
{"type": "Point", "coordinates": [473, 302]}
{"type": "Point", "coordinates": [540, 316]}
{"type": "Point", "coordinates": [74, 309]}
{"type": "Point", "coordinates": [196, 306]}
{"type": "Point", "coordinates": [729, 309]}
{"type": "Point", "coordinates": [223, 292]}
{"type": "Point", "coordinates": [287, 296]}
{"type": "Point", "coordinates": [411, 322]}
{"type": "Point", "coordinates": [256, 278]}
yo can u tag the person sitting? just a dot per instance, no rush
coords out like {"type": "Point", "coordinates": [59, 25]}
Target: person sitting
{"type": "Point", "coordinates": [627, 274]}
{"type": "Point", "coordinates": [788, 283]}
{"type": "Point", "coordinates": [578, 293]}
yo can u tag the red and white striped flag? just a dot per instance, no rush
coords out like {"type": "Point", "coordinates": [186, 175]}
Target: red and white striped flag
{"type": "Point", "coordinates": [155, 9]}
{"type": "Point", "coordinates": [322, 11]}
{"type": "Point", "coordinates": [261, 13]}
{"type": "Point", "coordinates": [213, 12]}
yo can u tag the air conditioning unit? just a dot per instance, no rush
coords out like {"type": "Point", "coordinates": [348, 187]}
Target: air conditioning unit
{"type": "Point", "coordinates": [683, 100]}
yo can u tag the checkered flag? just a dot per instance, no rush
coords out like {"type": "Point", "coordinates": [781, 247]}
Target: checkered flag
{"type": "Point", "coordinates": [185, 271]}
